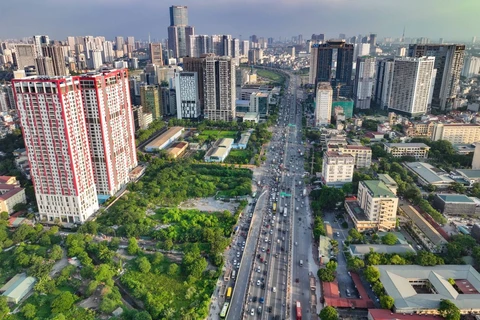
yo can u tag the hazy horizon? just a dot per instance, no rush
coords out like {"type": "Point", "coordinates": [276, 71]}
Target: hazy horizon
{"type": "Point", "coordinates": [433, 19]}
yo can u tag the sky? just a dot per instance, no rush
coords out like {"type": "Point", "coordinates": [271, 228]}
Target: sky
{"type": "Point", "coordinates": [449, 19]}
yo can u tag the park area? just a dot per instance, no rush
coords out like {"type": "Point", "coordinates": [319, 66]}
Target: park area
{"type": "Point", "coordinates": [271, 76]}
{"type": "Point", "coordinates": [217, 134]}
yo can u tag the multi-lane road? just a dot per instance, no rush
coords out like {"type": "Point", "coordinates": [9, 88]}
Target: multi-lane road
{"type": "Point", "coordinates": [274, 273]}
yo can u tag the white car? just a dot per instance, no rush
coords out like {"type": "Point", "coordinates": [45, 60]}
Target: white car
{"type": "Point", "coordinates": [258, 282]}
{"type": "Point", "coordinates": [252, 312]}
{"type": "Point", "coordinates": [274, 289]}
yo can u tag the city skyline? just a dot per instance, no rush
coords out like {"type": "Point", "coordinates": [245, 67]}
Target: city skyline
{"type": "Point", "coordinates": [386, 18]}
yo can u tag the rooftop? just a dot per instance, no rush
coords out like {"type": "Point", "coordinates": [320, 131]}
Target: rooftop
{"type": "Point", "coordinates": [429, 173]}
{"type": "Point", "coordinates": [397, 281]}
{"type": "Point", "coordinates": [385, 178]}
{"type": "Point", "coordinates": [383, 314]}
{"type": "Point", "coordinates": [381, 248]}
{"type": "Point", "coordinates": [338, 154]}
{"type": "Point", "coordinates": [406, 145]}
{"type": "Point", "coordinates": [421, 223]}
{"type": "Point", "coordinates": [455, 198]}
{"type": "Point", "coordinates": [379, 188]}
{"type": "Point", "coordinates": [164, 137]}
{"type": "Point", "coordinates": [357, 147]}
{"type": "Point", "coordinates": [357, 211]}
{"type": "Point", "coordinates": [469, 173]}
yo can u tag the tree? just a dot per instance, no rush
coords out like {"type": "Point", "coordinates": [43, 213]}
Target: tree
{"type": "Point", "coordinates": [4, 309]}
{"type": "Point", "coordinates": [331, 265]}
{"type": "Point", "coordinates": [329, 313]}
{"type": "Point", "coordinates": [144, 265]}
{"type": "Point", "coordinates": [132, 247]}
{"type": "Point", "coordinates": [173, 269]}
{"type": "Point", "coordinates": [378, 288]}
{"type": "Point", "coordinates": [389, 239]}
{"type": "Point", "coordinates": [387, 302]}
{"type": "Point", "coordinates": [449, 310]}
{"type": "Point", "coordinates": [372, 274]}
{"type": "Point", "coordinates": [326, 275]}
{"type": "Point", "coordinates": [29, 311]}
{"type": "Point", "coordinates": [56, 252]}
{"type": "Point", "coordinates": [63, 302]}
{"type": "Point", "coordinates": [356, 236]}
{"type": "Point", "coordinates": [425, 258]}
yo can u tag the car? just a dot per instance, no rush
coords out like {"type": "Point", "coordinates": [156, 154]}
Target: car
{"type": "Point", "coordinates": [258, 269]}
{"type": "Point", "coordinates": [262, 286]}
{"type": "Point", "coordinates": [261, 300]}
{"type": "Point", "coordinates": [268, 250]}
{"type": "Point", "coordinates": [274, 289]}
{"type": "Point", "coordinates": [259, 310]}
{"type": "Point", "coordinates": [296, 243]}
{"type": "Point", "coordinates": [297, 280]}
{"type": "Point", "coordinates": [252, 312]}
{"type": "Point", "coordinates": [269, 309]}
{"type": "Point", "coordinates": [264, 272]}
{"type": "Point", "coordinates": [254, 299]}
{"type": "Point", "coordinates": [258, 282]}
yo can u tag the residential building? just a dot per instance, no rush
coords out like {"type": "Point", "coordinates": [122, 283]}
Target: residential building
{"type": "Point", "coordinates": [417, 150]}
{"type": "Point", "coordinates": [346, 104]}
{"type": "Point", "coordinates": [429, 175]}
{"type": "Point", "coordinates": [476, 157]}
{"type": "Point", "coordinates": [456, 204]}
{"type": "Point", "coordinates": [95, 61]}
{"type": "Point", "coordinates": [44, 66]}
{"type": "Point", "coordinates": [471, 68]}
{"type": "Point", "coordinates": [220, 150]}
{"type": "Point", "coordinates": [362, 154]}
{"type": "Point", "coordinates": [383, 83]}
{"type": "Point", "coordinates": [259, 103]}
{"type": "Point", "coordinates": [156, 53]}
{"type": "Point", "coordinates": [375, 207]}
{"type": "Point", "coordinates": [186, 93]}
{"type": "Point", "coordinates": [165, 139]}
{"type": "Point", "coordinates": [150, 100]}
{"type": "Point", "coordinates": [55, 52]}
{"type": "Point", "coordinates": [255, 55]}
{"type": "Point", "coordinates": [113, 152]}
{"type": "Point", "coordinates": [360, 250]}
{"type": "Point", "coordinates": [449, 60]}
{"type": "Point", "coordinates": [411, 85]}
{"type": "Point", "coordinates": [337, 169]}
{"type": "Point", "coordinates": [11, 194]}
{"type": "Point", "coordinates": [54, 126]}
{"type": "Point", "coordinates": [420, 289]}
{"type": "Point", "coordinates": [24, 56]}
{"type": "Point", "coordinates": [197, 65]}
{"type": "Point", "coordinates": [364, 81]}
{"type": "Point", "coordinates": [323, 104]}
{"type": "Point", "coordinates": [219, 88]}
{"type": "Point", "coordinates": [179, 31]}
{"type": "Point", "coordinates": [456, 133]}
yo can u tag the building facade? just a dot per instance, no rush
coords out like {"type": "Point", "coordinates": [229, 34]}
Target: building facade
{"type": "Point", "coordinates": [456, 133]}
{"type": "Point", "coordinates": [150, 100]}
{"type": "Point", "coordinates": [417, 150]}
{"type": "Point", "coordinates": [364, 81]}
{"type": "Point", "coordinates": [362, 154]}
{"type": "Point", "coordinates": [471, 67]}
{"type": "Point", "coordinates": [323, 104]}
{"type": "Point", "coordinates": [156, 53]}
{"type": "Point", "coordinates": [179, 31]}
{"type": "Point", "coordinates": [259, 103]}
{"type": "Point", "coordinates": [337, 169]}
{"type": "Point", "coordinates": [186, 89]}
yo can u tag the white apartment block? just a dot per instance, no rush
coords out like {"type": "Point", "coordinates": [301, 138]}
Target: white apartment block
{"type": "Point", "coordinates": [412, 85]}
{"type": "Point", "coordinates": [375, 207]}
{"type": "Point", "coordinates": [323, 104]}
{"type": "Point", "coordinates": [471, 68]}
{"type": "Point", "coordinates": [337, 168]}
{"type": "Point", "coordinates": [364, 81]}
{"type": "Point", "coordinates": [186, 89]}
{"type": "Point", "coordinates": [417, 150]}
{"type": "Point", "coordinates": [54, 129]}
{"type": "Point", "coordinates": [456, 133]}
{"type": "Point", "coordinates": [362, 154]}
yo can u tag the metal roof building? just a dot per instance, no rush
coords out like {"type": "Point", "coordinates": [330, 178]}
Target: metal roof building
{"type": "Point", "coordinates": [18, 287]}
{"type": "Point", "coordinates": [428, 174]}
{"type": "Point", "coordinates": [360, 250]}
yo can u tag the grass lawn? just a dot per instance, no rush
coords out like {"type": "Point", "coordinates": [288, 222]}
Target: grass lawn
{"type": "Point", "coordinates": [239, 156]}
{"type": "Point", "coordinates": [272, 76]}
{"type": "Point", "coordinates": [219, 134]}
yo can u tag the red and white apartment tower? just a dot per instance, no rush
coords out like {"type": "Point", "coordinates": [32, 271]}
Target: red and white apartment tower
{"type": "Point", "coordinates": [79, 137]}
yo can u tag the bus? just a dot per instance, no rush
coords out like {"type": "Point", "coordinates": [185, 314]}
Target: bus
{"type": "Point", "coordinates": [274, 206]}
{"type": "Point", "coordinates": [229, 293]}
{"type": "Point", "coordinates": [223, 313]}
{"type": "Point", "coordinates": [299, 311]}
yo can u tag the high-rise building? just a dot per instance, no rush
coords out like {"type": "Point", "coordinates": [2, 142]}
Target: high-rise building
{"type": "Point", "coordinates": [219, 88]}
{"type": "Point", "coordinates": [38, 42]}
{"type": "Point", "coordinates": [411, 85]}
{"type": "Point", "coordinates": [108, 53]}
{"type": "Point", "coordinates": [360, 50]}
{"type": "Point", "coordinates": [58, 59]}
{"type": "Point", "coordinates": [179, 31]}
{"type": "Point", "coordinates": [364, 82]}
{"type": "Point", "coordinates": [373, 42]}
{"type": "Point", "coordinates": [196, 65]}
{"type": "Point", "coordinates": [449, 60]}
{"type": "Point", "coordinates": [106, 96]}
{"type": "Point", "coordinates": [156, 53]}
{"type": "Point", "coordinates": [322, 54]}
{"type": "Point", "coordinates": [259, 103]}
{"type": "Point", "coordinates": [119, 42]}
{"type": "Point", "coordinates": [95, 60]}
{"type": "Point", "coordinates": [24, 56]}
{"type": "Point", "coordinates": [150, 100]}
{"type": "Point", "coordinates": [245, 47]}
{"type": "Point", "coordinates": [471, 67]}
{"type": "Point", "coordinates": [186, 92]}
{"type": "Point", "coordinates": [337, 168]}
{"type": "Point", "coordinates": [323, 104]}
{"type": "Point", "coordinates": [383, 84]}
{"type": "Point", "coordinates": [317, 38]}
{"type": "Point", "coordinates": [44, 66]}
{"type": "Point", "coordinates": [255, 55]}
{"type": "Point", "coordinates": [54, 128]}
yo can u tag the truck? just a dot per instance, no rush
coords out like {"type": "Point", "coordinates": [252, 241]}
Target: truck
{"type": "Point", "coordinates": [299, 310]}
{"type": "Point", "coordinates": [274, 206]}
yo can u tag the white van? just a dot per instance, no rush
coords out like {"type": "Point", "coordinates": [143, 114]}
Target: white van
{"type": "Point", "coordinates": [233, 274]}
{"type": "Point", "coordinates": [301, 263]}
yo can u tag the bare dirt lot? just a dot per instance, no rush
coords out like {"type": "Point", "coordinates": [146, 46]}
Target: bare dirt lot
{"type": "Point", "coordinates": [208, 204]}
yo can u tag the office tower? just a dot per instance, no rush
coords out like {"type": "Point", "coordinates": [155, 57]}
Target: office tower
{"type": "Point", "coordinates": [179, 31]}
{"type": "Point", "coordinates": [365, 39]}
{"type": "Point", "coordinates": [245, 47]}
{"type": "Point", "coordinates": [219, 88]}
{"type": "Point", "coordinates": [364, 82]}
{"type": "Point", "coordinates": [150, 100]}
{"type": "Point", "coordinates": [55, 132]}
{"type": "Point", "coordinates": [253, 39]}
{"type": "Point", "coordinates": [156, 53]}
{"type": "Point", "coordinates": [471, 67]}
{"type": "Point", "coordinates": [95, 60]}
{"type": "Point", "coordinates": [44, 66]}
{"type": "Point", "coordinates": [411, 85]}
{"type": "Point", "coordinates": [226, 46]}
{"type": "Point", "coordinates": [108, 53]}
{"type": "Point", "coordinates": [58, 59]}
{"type": "Point", "coordinates": [323, 104]}
{"type": "Point", "coordinates": [255, 55]}
{"type": "Point", "coordinates": [317, 38]}
{"type": "Point", "coordinates": [360, 50]}
{"type": "Point", "coordinates": [24, 55]}
{"type": "Point", "coordinates": [259, 103]}
{"type": "Point", "coordinates": [186, 90]}
{"type": "Point", "coordinates": [39, 41]}
{"type": "Point", "coordinates": [449, 60]}
{"type": "Point", "coordinates": [196, 65]}
{"type": "Point", "coordinates": [270, 41]}
{"type": "Point", "coordinates": [71, 43]}
{"type": "Point", "coordinates": [106, 96]}
{"type": "Point", "coordinates": [474, 40]}
{"type": "Point", "coordinates": [322, 62]}
{"type": "Point", "coordinates": [235, 48]}
{"type": "Point", "coordinates": [401, 52]}
{"type": "Point", "coordinates": [373, 40]}
{"type": "Point", "coordinates": [440, 41]}
{"type": "Point", "coordinates": [119, 42]}
{"type": "Point", "coordinates": [383, 84]}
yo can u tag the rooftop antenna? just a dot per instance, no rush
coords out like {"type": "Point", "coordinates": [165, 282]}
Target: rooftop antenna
{"type": "Point", "coordinates": [403, 34]}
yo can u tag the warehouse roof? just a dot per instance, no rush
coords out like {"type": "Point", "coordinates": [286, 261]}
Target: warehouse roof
{"type": "Point", "coordinates": [160, 141]}
{"type": "Point", "coordinates": [362, 249]}
{"type": "Point", "coordinates": [407, 145]}
{"type": "Point", "coordinates": [428, 173]}
{"type": "Point", "coordinates": [469, 173]}
{"type": "Point", "coordinates": [455, 198]}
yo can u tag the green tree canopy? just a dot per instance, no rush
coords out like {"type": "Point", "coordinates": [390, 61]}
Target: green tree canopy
{"type": "Point", "coordinates": [449, 310]}
{"type": "Point", "coordinates": [372, 274]}
{"type": "Point", "coordinates": [63, 302]}
{"type": "Point", "coordinates": [329, 313]}
{"type": "Point", "coordinates": [387, 302]}
{"type": "Point", "coordinates": [389, 239]}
